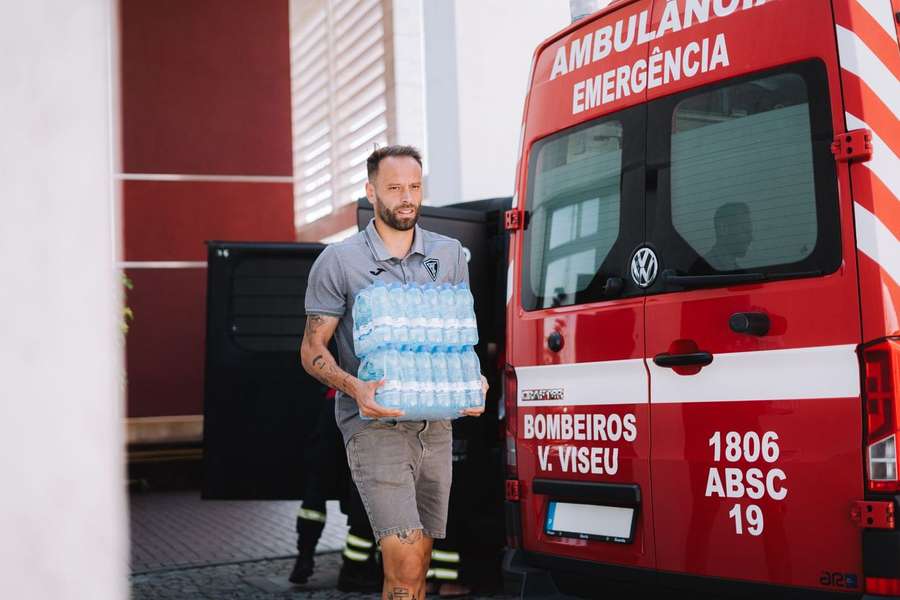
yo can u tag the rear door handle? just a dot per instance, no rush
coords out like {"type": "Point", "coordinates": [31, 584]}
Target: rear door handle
{"type": "Point", "coordinates": [700, 359]}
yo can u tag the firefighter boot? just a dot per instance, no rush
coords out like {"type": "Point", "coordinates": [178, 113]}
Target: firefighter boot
{"type": "Point", "coordinates": [310, 524]}
{"type": "Point", "coordinates": [361, 571]}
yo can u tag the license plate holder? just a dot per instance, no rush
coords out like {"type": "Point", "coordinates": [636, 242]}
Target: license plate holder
{"type": "Point", "coordinates": [590, 522]}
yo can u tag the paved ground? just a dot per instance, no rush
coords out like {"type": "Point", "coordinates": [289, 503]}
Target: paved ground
{"type": "Point", "coordinates": [178, 529]}
{"type": "Point", "coordinates": [257, 580]}
{"type": "Point", "coordinates": [185, 548]}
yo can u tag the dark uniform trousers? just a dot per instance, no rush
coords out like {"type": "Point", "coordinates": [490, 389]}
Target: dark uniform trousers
{"type": "Point", "coordinates": [327, 477]}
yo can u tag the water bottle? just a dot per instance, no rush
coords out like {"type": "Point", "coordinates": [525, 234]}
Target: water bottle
{"type": "Point", "coordinates": [362, 322]}
{"type": "Point", "coordinates": [381, 311]}
{"type": "Point", "coordinates": [371, 368]}
{"type": "Point", "coordinates": [465, 313]}
{"type": "Point", "coordinates": [409, 391]}
{"type": "Point", "coordinates": [441, 384]}
{"type": "Point", "coordinates": [472, 376]}
{"type": "Point", "coordinates": [425, 378]}
{"type": "Point", "coordinates": [433, 329]}
{"type": "Point", "coordinates": [456, 378]}
{"type": "Point", "coordinates": [415, 312]}
{"type": "Point", "coordinates": [388, 395]}
{"type": "Point", "coordinates": [398, 314]}
{"type": "Point", "coordinates": [448, 312]}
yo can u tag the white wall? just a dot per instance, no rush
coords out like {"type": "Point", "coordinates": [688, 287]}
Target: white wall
{"type": "Point", "coordinates": [476, 85]}
{"type": "Point", "coordinates": [62, 510]}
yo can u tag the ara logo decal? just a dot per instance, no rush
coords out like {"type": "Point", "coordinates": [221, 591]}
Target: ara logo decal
{"type": "Point", "coordinates": [432, 265]}
{"type": "Point", "coordinates": [543, 394]}
{"type": "Point", "coordinates": [644, 267]}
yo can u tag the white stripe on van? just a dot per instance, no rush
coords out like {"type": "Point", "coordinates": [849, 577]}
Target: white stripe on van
{"type": "Point", "coordinates": [884, 163]}
{"type": "Point", "coordinates": [876, 241]}
{"type": "Point", "coordinates": [793, 374]}
{"type": "Point", "coordinates": [881, 11]}
{"type": "Point", "coordinates": [857, 58]}
{"type": "Point", "coordinates": [610, 382]}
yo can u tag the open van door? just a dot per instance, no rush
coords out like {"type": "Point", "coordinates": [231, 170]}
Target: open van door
{"type": "Point", "coordinates": [260, 405]}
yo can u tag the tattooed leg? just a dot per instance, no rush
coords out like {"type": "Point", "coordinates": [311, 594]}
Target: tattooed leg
{"type": "Point", "coordinates": [409, 536]}
{"type": "Point", "coordinates": [401, 593]}
{"type": "Point", "coordinates": [406, 555]}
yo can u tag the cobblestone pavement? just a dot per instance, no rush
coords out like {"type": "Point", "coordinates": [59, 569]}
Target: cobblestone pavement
{"type": "Point", "coordinates": [178, 529]}
{"type": "Point", "coordinates": [185, 548]}
{"type": "Point", "coordinates": [256, 580]}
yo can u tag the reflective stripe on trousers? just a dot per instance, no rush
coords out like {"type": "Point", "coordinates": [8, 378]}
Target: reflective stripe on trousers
{"type": "Point", "coordinates": [309, 514]}
{"type": "Point", "coordinates": [354, 546]}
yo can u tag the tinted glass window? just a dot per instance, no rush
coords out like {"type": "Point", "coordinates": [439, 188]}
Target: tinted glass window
{"type": "Point", "coordinates": [747, 180]}
{"type": "Point", "coordinates": [743, 194]}
{"type": "Point", "coordinates": [575, 212]}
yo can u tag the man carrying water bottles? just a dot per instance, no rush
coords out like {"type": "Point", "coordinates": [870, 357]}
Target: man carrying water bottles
{"type": "Point", "coordinates": [402, 469]}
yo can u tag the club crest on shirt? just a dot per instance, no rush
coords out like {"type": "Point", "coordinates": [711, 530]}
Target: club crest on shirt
{"type": "Point", "coordinates": [432, 265]}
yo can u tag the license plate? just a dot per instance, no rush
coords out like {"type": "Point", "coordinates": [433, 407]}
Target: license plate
{"type": "Point", "coordinates": [590, 522]}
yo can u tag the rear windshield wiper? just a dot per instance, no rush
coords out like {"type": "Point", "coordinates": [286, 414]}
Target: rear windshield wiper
{"type": "Point", "coordinates": [693, 281]}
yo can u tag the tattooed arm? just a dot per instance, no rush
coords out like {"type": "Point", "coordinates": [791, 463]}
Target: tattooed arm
{"type": "Point", "coordinates": [318, 362]}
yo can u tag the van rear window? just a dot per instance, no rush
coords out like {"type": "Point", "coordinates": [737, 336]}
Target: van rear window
{"type": "Point", "coordinates": [742, 177]}
{"type": "Point", "coordinates": [575, 216]}
{"type": "Point", "coordinates": [729, 182]}
{"type": "Point", "coordinates": [747, 181]}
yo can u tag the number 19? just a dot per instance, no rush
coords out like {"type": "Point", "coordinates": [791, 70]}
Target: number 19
{"type": "Point", "coordinates": [754, 518]}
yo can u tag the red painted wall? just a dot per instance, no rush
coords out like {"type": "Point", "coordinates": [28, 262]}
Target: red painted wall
{"type": "Point", "coordinates": [205, 92]}
{"type": "Point", "coordinates": [206, 87]}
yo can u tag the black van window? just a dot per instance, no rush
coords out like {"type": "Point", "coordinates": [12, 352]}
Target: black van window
{"type": "Point", "coordinates": [575, 212]}
{"type": "Point", "coordinates": [749, 185]}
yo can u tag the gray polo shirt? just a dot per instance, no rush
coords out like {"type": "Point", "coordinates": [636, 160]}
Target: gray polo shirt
{"type": "Point", "coordinates": [345, 268]}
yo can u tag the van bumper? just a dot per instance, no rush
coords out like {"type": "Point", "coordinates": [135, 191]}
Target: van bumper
{"type": "Point", "coordinates": [881, 553]}
{"type": "Point", "coordinates": [532, 575]}
{"type": "Point", "coordinates": [525, 581]}
{"type": "Point", "coordinates": [881, 556]}
{"type": "Point", "coordinates": [535, 576]}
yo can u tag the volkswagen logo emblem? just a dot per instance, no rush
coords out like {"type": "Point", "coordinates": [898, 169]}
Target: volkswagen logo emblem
{"type": "Point", "coordinates": [644, 267]}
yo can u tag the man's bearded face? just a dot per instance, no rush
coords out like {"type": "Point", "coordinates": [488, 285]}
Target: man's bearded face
{"type": "Point", "coordinates": [401, 218]}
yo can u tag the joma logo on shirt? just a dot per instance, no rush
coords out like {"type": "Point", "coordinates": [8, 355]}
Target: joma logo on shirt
{"type": "Point", "coordinates": [377, 271]}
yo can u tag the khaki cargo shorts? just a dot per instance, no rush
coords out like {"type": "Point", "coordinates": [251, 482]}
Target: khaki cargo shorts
{"type": "Point", "coordinates": [403, 471]}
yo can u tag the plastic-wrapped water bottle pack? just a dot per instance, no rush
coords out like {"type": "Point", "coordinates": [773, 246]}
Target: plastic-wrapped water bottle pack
{"type": "Point", "coordinates": [419, 340]}
{"type": "Point", "coordinates": [413, 315]}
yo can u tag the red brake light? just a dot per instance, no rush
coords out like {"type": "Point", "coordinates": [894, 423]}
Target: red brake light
{"type": "Point", "coordinates": [881, 369]}
{"type": "Point", "coordinates": [510, 390]}
{"type": "Point", "coordinates": [883, 586]}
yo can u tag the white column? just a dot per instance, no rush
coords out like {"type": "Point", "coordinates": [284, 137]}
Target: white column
{"type": "Point", "coordinates": [442, 155]}
{"type": "Point", "coordinates": [62, 510]}
{"type": "Point", "coordinates": [409, 73]}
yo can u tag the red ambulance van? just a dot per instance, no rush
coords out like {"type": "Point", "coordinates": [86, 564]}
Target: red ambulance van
{"type": "Point", "coordinates": [703, 352]}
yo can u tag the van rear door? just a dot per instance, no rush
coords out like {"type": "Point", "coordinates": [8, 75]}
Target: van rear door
{"type": "Point", "coordinates": [576, 319]}
{"type": "Point", "coordinates": [753, 322]}
{"type": "Point", "coordinates": [260, 405]}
